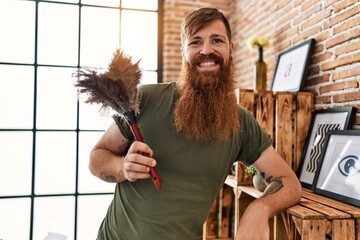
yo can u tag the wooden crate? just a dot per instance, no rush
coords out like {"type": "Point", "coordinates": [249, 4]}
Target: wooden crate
{"type": "Point", "coordinates": [282, 114]}
{"type": "Point", "coordinates": [285, 116]}
{"type": "Point", "coordinates": [315, 217]}
{"type": "Point", "coordinates": [219, 222]}
{"type": "Point", "coordinates": [319, 217]}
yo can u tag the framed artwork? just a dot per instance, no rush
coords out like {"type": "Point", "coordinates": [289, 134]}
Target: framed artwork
{"type": "Point", "coordinates": [322, 122]}
{"type": "Point", "coordinates": [338, 175]}
{"type": "Point", "coordinates": [291, 68]}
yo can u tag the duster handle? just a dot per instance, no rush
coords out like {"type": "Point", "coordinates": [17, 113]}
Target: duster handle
{"type": "Point", "coordinates": [130, 117]}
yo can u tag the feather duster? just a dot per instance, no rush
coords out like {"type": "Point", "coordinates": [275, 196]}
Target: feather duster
{"type": "Point", "coordinates": [116, 89]}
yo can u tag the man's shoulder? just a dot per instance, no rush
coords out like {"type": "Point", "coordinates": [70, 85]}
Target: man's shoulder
{"type": "Point", "coordinates": [150, 92]}
{"type": "Point", "coordinates": [244, 112]}
{"type": "Point", "coordinates": [157, 86]}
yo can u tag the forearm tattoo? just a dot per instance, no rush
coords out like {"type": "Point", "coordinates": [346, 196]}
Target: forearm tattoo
{"type": "Point", "coordinates": [267, 180]}
{"type": "Point", "coordinates": [273, 186]}
{"type": "Point", "coordinates": [121, 152]}
{"type": "Point", "coordinates": [123, 147]}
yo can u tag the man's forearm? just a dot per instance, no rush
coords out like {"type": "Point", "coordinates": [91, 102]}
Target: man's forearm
{"type": "Point", "coordinates": [281, 194]}
{"type": "Point", "coordinates": [106, 165]}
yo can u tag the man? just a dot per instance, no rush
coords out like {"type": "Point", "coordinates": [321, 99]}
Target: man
{"type": "Point", "coordinates": [193, 131]}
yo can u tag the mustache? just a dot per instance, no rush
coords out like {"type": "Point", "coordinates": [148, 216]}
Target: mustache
{"type": "Point", "coordinates": [212, 56]}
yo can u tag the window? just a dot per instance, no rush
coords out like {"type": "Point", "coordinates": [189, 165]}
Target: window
{"type": "Point", "coordinates": [46, 134]}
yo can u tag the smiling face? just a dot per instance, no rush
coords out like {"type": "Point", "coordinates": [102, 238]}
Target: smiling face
{"type": "Point", "coordinates": [208, 49]}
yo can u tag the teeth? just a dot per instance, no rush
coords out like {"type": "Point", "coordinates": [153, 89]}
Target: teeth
{"type": "Point", "coordinates": [207, 64]}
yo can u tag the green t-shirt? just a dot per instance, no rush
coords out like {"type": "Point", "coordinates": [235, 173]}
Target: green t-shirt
{"type": "Point", "coordinates": [191, 172]}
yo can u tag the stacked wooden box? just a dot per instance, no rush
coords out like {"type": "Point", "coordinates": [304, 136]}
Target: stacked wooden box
{"type": "Point", "coordinates": [286, 118]}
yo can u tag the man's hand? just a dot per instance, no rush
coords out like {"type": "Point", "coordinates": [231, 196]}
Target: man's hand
{"type": "Point", "coordinates": [135, 164]}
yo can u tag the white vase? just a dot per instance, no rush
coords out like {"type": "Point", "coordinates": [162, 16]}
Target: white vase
{"type": "Point", "coordinates": [259, 183]}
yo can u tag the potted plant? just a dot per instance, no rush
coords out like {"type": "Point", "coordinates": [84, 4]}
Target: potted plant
{"type": "Point", "coordinates": [257, 180]}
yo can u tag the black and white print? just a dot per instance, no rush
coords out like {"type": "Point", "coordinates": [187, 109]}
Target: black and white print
{"type": "Point", "coordinates": [318, 144]}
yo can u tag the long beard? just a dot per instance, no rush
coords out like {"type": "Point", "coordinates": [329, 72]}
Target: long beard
{"type": "Point", "coordinates": [207, 108]}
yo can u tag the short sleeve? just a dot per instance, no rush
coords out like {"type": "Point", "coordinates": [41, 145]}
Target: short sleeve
{"type": "Point", "coordinates": [255, 139]}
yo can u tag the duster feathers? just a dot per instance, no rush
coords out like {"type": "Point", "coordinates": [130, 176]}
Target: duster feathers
{"type": "Point", "coordinates": [116, 88]}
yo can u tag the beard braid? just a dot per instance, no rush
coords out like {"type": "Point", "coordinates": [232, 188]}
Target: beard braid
{"type": "Point", "coordinates": [207, 108]}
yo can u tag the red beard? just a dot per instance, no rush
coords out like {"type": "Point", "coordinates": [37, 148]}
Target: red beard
{"type": "Point", "coordinates": [207, 108]}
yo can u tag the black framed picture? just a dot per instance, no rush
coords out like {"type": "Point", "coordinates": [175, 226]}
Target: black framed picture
{"type": "Point", "coordinates": [292, 66]}
{"type": "Point", "coordinates": [338, 175]}
{"type": "Point", "coordinates": [322, 122]}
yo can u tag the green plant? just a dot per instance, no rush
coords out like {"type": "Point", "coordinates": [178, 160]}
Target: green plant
{"type": "Point", "coordinates": [251, 170]}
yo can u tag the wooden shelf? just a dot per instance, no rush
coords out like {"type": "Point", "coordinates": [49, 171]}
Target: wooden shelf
{"type": "Point", "coordinates": [250, 190]}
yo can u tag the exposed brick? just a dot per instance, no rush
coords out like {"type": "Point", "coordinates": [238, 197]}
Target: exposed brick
{"type": "Point", "coordinates": [324, 35]}
{"type": "Point", "coordinates": [339, 86]}
{"type": "Point", "coordinates": [313, 70]}
{"type": "Point", "coordinates": [281, 4]}
{"type": "Point", "coordinates": [308, 4]}
{"type": "Point", "coordinates": [330, 2]}
{"type": "Point", "coordinates": [332, 64]}
{"type": "Point", "coordinates": [346, 36]}
{"type": "Point", "coordinates": [318, 47]}
{"type": "Point", "coordinates": [346, 97]}
{"type": "Point", "coordinates": [317, 80]}
{"type": "Point", "coordinates": [347, 73]}
{"type": "Point", "coordinates": [342, 5]}
{"type": "Point", "coordinates": [316, 18]}
{"type": "Point", "coordinates": [322, 57]}
{"type": "Point", "coordinates": [306, 14]}
{"type": "Point", "coordinates": [347, 48]}
{"type": "Point", "coordinates": [353, 22]}
{"type": "Point", "coordinates": [308, 33]}
{"type": "Point", "coordinates": [286, 16]}
{"type": "Point", "coordinates": [322, 99]}
{"type": "Point", "coordinates": [342, 16]}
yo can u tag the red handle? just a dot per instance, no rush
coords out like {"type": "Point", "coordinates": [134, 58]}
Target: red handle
{"type": "Point", "coordinates": [153, 172]}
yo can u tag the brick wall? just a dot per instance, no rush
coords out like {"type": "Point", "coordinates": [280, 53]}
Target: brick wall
{"type": "Point", "coordinates": [334, 73]}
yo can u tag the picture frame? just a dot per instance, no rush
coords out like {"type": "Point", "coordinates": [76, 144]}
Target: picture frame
{"type": "Point", "coordinates": [322, 121]}
{"type": "Point", "coordinates": [292, 66]}
{"type": "Point", "coordinates": [338, 175]}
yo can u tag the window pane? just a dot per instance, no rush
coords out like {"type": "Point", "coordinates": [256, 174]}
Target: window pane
{"type": "Point", "coordinates": [55, 162]}
{"type": "Point", "coordinates": [110, 3]}
{"type": "Point", "coordinates": [56, 99]}
{"type": "Point", "coordinates": [140, 4]}
{"type": "Point", "coordinates": [91, 119]}
{"type": "Point", "coordinates": [149, 77]}
{"type": "Point", "coordinates": [139, 37]}
{"type": "Point", "coordinates": [17, 39]}
{"type": "Point", "coordinates": [54, 217]}
{"type": "Point", "coordinates": [16, 97]}
{"type": "Point", "coordinates": [66, 1]}
{"type": "Point", "coordinates": [99, 36]}
{"type": "Point", "coordinates": [15, 163]}
{"type": "Point", "coordinates": [58, 35]}
{"type": "Point", "coordinates": [92, 210]}
{"type": "Point", "coordinates": [15, 218]}
{"type": "Point", "coordinates": [88, 183]}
